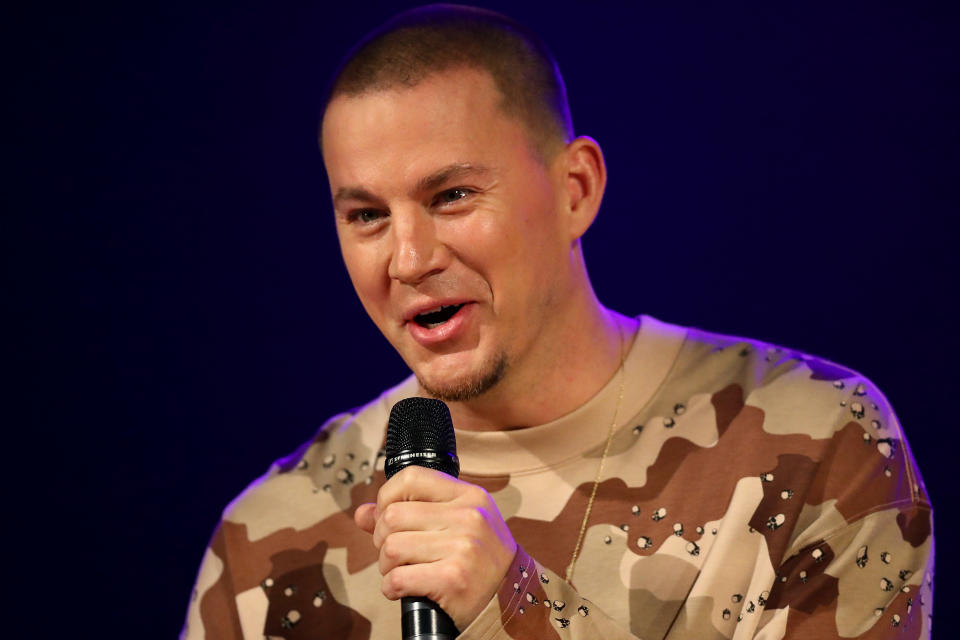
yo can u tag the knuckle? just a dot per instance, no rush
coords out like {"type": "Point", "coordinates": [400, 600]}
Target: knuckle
{"type": "Point", "coordinates": [409, 475]}
{"type": "Point", "coordinates": [476, 495]}
{"type": "Point", "coordinates": [390, 516]}
{"type": "Point", "coordinates": [457, 578]}
{"type": "Point", "coordinates": [392, 585]}
{"type": "Point", "coordinates": [474, 517]}
{"type": "Point", "coordinates": [390, 550]}
{"type": "Point", "coordinates": [469, 549]}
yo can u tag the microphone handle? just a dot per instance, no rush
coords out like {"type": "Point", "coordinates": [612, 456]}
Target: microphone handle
{"type": "Point", "coordinates": [423, 619]}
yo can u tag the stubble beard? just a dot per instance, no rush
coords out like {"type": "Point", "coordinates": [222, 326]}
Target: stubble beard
{"type": "Point", "coordinates": [485, 379]}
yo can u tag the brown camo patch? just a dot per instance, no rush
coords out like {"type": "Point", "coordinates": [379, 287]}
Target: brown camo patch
{"type": "Point", "coordinates": [218, 609]}
{"type": "Point", "coordinates": [801, 582]}
{"type": "Point", "coordinates": [553, 551]}
{"type": "Point", "coordinates": [910, 624]}
{"type": "Point", "coordinates": [915, 525]}
{"type": "Point", "coordinates": [532, 619]}
{"type": "Point", "coordinates": [727, 403]}
{"type": "Point", "coordinates": [251, 562]}
{"type": "Point", "coordinates": [694, 484]}
{"type": "Point", "coordinates": [852, 470]}
{"type": "Point", "coordinates": [301, 604]}
{"type": "Point", "coordinates": [822, 623]}
{"type": "Point", "coordinates": [793, 474]}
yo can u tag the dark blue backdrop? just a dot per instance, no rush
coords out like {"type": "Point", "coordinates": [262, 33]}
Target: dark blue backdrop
{"type": "Point", "coordinates": [181, 316]}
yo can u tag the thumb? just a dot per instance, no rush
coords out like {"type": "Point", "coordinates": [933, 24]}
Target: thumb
{"type": "Point", "coordinates": [366, 517]}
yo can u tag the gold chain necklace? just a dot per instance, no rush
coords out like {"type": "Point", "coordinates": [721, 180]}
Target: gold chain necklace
{"type": "Point", "coordinates": [603, 458]}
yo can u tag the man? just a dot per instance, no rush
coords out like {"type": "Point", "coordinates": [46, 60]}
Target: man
{"type": "Point", "coordinates": [621, 477]}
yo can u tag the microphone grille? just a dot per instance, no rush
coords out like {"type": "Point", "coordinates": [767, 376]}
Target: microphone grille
{"type": "Point", "coordinates": [418, 424]}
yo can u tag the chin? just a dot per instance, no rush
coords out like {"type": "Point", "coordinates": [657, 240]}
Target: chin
{"type": "Point", "coordinates": [469, 386]}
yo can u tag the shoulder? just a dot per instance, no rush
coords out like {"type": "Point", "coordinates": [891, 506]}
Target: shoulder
{"type": "Point", "coordinates": [319, 476]}
{"type": "Point", "coordinates": [295, 517]}
{"type": "Point", "coordinates": [821, 420]}
{"type": "Point", "coordinates": [841, 504]}
{"type": "Point", "coordinates": [797, 392]}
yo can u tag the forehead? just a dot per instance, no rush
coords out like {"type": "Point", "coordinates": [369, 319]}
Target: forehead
{"type": "Point", "coordinates": [449, 117]}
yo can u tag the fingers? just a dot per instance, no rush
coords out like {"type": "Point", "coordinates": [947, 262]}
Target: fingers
{"type": "Point", "coordinates": [366, 517]}
{"type": "Point", "coordinates": [410, 484]}
{"type": "Point", "coordinates": [438, 537]}
{"type": "Point", "coordinates": [423, 580]}
{"type": "Point", "coordinates": [461, 583]}
{"type": "Point", "coordinates": [408, 516]}
{"type": "Point", "coordinates": [420, 484]}
{"type": "Point", "coordinates": [413, 547]}
{"type": "Point", "coordinates": [424, 547]}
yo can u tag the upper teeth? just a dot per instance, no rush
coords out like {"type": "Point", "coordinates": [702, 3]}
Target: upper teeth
{"type": "Point", "coordinates": [437, 309]}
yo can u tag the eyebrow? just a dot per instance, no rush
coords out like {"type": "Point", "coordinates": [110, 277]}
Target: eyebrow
{"type": "Point", "coordinates": [353, 193]}
{"type": "Point", "coordinates": [427, 183]}
{"type": "Point", "coordinates": [450, 172]}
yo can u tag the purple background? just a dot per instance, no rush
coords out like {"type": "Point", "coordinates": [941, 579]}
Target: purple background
{"type": "Point", "coordinates": [180, 316]}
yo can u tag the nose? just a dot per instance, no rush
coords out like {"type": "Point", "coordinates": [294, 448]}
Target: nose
{"type": "Point", "coordinates": [417, 252]}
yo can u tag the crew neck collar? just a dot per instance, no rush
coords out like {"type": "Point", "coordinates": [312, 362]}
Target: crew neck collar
{"type": "Point", "coordinates": [496, 453]}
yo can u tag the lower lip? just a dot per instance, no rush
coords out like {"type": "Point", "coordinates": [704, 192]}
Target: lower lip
{"type": "Point", "coordinates": [449, 330]}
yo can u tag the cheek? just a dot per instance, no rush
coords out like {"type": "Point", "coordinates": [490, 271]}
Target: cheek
{"type": "Point", "coordinates": [486, 243]}
{"type": "Point", "coordinates": [515, 242]}
{"type": "Point", "coordinates": [366, 274]}
{"type": "Point", "coordinates": [513, 259]}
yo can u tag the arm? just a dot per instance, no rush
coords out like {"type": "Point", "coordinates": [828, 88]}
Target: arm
{"type": "Point", "coordinates": [872, 577]}
{"type": "Point", "coordinates": [862, 564]}
{"type": "Point", "coordinates": [532, 602]}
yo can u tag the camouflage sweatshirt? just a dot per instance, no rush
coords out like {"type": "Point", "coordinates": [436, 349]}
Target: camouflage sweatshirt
{"type": "Point", "coordinates": [749, 492]}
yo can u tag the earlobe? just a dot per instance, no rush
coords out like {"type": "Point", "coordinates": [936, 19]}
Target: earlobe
{"type": "Point", "coordinates": [586, 176]}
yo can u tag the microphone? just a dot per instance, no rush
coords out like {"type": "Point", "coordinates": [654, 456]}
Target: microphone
{"type": "Point", "coordinates": [420, 432]}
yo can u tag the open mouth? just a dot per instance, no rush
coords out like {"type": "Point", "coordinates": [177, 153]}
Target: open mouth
{"type": "Point", "coordinates": [436, 317]}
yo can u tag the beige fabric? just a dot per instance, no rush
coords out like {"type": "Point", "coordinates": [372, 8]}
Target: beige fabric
{"type": "Point", "coordinates": [750, 492]}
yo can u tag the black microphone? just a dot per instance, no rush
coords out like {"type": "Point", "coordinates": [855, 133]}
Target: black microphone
{"type": "Point", "coordinates": [420, 433]}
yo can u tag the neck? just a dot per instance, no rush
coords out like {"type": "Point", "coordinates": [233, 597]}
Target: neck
{"type": "Point", "coordinates": [576, 363]}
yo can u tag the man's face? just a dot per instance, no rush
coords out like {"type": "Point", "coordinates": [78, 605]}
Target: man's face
{"type": "Point", "coordinates": [451, 228]}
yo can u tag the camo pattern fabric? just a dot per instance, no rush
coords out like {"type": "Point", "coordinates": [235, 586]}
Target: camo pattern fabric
{"type": "Point", "coordinates": [749, 491]}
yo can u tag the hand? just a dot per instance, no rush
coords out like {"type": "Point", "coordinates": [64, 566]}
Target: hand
{"type": "Point", "coordinates": [441, 538]}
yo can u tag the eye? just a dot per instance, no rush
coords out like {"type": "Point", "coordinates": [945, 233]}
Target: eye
{"type": "Point", "coordinates": [452, 195]}
{"type": "Point", "coordinates": [365, 216]}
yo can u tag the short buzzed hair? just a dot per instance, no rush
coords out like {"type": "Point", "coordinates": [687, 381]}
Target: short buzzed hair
{"type": "Point", "coordinates": [426, 40]}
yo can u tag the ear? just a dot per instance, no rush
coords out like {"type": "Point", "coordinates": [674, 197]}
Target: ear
{"type": "Point", "coordinates": [586, 179]}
